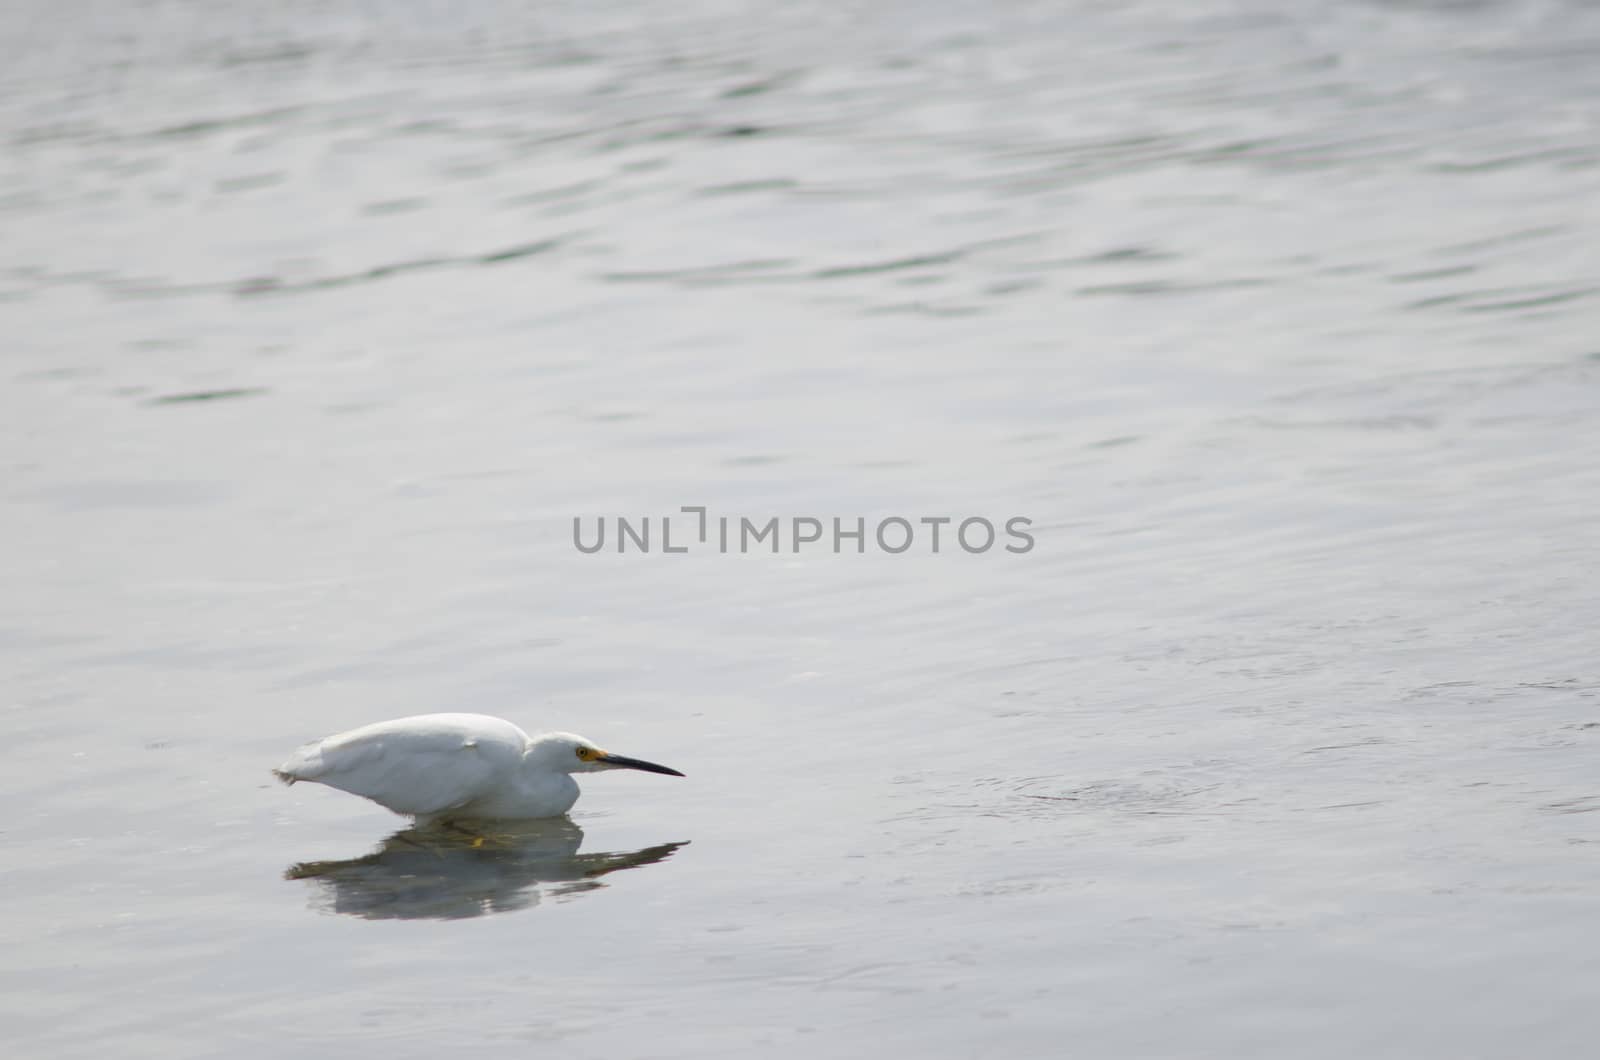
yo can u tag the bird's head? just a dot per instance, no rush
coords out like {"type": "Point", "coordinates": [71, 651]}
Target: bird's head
{"type": "Point", "coordinates": [570, 753]}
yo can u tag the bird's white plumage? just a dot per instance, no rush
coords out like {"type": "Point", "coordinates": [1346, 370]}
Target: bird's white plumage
{"type": "Point", "coordinates": [427, 765]}
{"type": "Point", "coordinates": [442, 765]}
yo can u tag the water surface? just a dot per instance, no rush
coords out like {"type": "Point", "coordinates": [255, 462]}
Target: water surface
{"type": "Point", "coordinates": [322, 322]}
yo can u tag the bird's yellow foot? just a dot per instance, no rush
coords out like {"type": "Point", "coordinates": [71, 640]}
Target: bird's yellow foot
{"type": "Point", "coordinates": [477, 840]}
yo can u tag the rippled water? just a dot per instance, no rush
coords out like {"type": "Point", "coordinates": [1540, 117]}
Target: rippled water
{"type": "Point", "coordinates": [323, 322]}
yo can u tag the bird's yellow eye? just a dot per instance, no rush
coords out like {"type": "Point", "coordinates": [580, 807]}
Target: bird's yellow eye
{"type": "Point", "coordinates": [584, 753]}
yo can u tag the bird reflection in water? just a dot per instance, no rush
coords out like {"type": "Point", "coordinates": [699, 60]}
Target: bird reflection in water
{"type": "Point", "coordinates": [451, 872]}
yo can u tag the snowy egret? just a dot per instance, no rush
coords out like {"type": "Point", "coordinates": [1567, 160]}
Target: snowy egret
{"type": "Point", "coordinates": [438, 766]}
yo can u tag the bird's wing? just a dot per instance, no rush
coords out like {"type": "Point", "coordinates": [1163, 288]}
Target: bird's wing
{"type": "Point", "coordinates": [421, 765]}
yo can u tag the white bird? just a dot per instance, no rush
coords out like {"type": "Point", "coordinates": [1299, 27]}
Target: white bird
{"type": "Point", "coordinates": [437, 766]}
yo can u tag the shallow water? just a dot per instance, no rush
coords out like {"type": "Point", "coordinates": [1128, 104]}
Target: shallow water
{"type": "Point", "coordinates": [324, 322]}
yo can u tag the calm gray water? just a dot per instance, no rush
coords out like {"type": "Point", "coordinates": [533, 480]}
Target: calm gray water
{"type": "Point", "coordinates": [322, 323]}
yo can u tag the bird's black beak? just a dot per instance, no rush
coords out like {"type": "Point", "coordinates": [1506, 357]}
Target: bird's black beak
{"type": "Point", "coordinates": [624, 762]}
